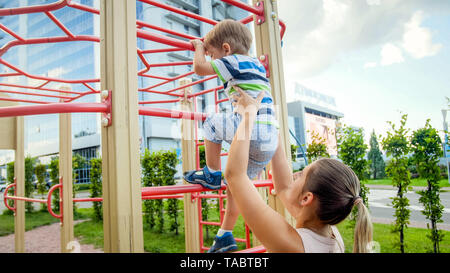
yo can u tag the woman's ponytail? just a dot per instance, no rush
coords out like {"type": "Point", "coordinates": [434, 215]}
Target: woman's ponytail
{"type": "Point", "coordinates": [363, 229]}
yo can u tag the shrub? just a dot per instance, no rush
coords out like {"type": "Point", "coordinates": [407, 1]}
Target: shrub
{"type": "Point", "coordinates": [397, 145]}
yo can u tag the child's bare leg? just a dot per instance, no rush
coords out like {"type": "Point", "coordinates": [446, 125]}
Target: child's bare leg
{"type": "Point", "coordinates": [231, 213]}
{"type": "Point", "coordinates": [212, 154]}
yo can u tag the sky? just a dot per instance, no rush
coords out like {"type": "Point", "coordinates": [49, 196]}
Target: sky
{"type": "Point", "coordinates": [379, 58]}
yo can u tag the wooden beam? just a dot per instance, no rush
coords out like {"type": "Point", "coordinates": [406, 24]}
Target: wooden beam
{"type": "Point", "coordinates": [122, 205]}
{"type": "Point", "coordinates": [65, 172]}
{"type": "Point", "coordinates": [19, 173]}
{"type": "Point", "coordinates": [12, 138]}
{"type": "Point", "coordinates": [7, 128]}
{"type": "Point", "coordinates": [267, 38]}
{"type": "Point", "coordinates": [191, 217]}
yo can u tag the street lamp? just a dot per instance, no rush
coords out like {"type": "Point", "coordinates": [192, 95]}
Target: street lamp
{"type": "Point", "coordinates": [446, 144]}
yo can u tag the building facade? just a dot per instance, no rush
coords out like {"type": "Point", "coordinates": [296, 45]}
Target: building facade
{"type": "Point", "coordinates": [312, 113]}
{"type": "Point", "coordinates": [81, 60]}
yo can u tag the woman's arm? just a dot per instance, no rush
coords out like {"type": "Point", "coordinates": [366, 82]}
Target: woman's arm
{"type": "Point", "coordinates": [282, 178]}
{"type": "Point", "coordinates": [201, 66]}
{"type": "Point", "coordinates": [269, 227]}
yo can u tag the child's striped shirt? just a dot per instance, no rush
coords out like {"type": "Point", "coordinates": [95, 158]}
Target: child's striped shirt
{"type": "Point", "coordinates": [250, 75]}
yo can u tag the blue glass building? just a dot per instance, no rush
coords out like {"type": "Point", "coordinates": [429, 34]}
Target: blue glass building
{"type": "Point", "coordinates": [81, 60]}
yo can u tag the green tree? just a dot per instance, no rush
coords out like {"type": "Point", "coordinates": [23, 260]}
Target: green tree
{"type": "Point", "coordinates": [426, 146]}
{"type": "Point", "coordinates": [95, 187]}
{"type": "Point", "coordinates": [317, 149]}
{"type": "Point", "coordinates": [29, 173]}
{"type": "Point", "coordinates": [149, 176]}
{"type": "Point", "coordinates": [54, 178]}
{"type": "Point", "coordinates": [40, 171]}
{"type": "Point", "coordinates": [78, 162]}
{"type": "Point", "coordinates": [30, 162]}
{"type": "Point", "coordinates": [10, 178]}
{"type": "Point", "coordinates": [167, 170]}
{"type": "Point", "coordinates": [397, 145]}
{"type": "Point", "coordinates": [352, 151]}
{"type": "Point", "coordinates": [377, 165]}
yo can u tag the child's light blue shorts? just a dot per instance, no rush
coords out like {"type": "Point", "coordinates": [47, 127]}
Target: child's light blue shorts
{"type": "Point", "coordinates": [263, 143]}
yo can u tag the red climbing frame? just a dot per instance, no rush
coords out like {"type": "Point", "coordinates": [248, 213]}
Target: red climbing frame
{"type": "Point", "coordinates": [67, 98]}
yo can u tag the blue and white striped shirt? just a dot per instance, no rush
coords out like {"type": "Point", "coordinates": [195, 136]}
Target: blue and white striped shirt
{"type": "Point", "coordinates": [250, 75]}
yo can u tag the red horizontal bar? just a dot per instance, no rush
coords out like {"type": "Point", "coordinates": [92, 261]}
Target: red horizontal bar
{"type": "Point", "coordinates": [147, 25]}
{"type": "Point", "coordinates": [167, 113]}
{"type": "Point", "coordinates": [39, 88]}
{"type": "Point", "coordinates": [171, 80]}
{"type": "Point", "coordinates": [158, 38]}
{"type": "Point", "coordinates": [53, 108]}
{"type": "Point", "coordinates": [247, 20]}
{"type": "Point", "coordinates": [45, 78]}
{"type": "Point", "coordinates": [18, 198]}
{"type": "Point", "coordinates": [244, 6]}
{"type": "Point", "coordinates": [180, 11]}
{"type": "Point", "coordinates": [190, 188]}
{"type": "Point", "coordinates": [210, 223]}
{"type": "Point", "coordinates": [205, 91]}
{"type": "Point", "coordinates": [33, 94]}
{"type": "Point", "coordinates": [166, 196]}
{"type": "Point", "coordinates": [159, 101]}
{"type": "Point", "coordinates": [211, 195]}
{"type": "Point", "coordinates": [48, 40]}
{"type": "Point", "coordinates": [161, 50]}
{"type": "Point", "coordinates": [83, 7]}
{"type": "Point", "coordinates": [171, 64]}
{"type": "Point", "coordinates": [141, 73]}
{"type": "Point", "coordinates": [192, 84]}
{"type": "Point", "coordinates": [223, 100]}
{"type": "Point", "coordinates": [22, 100]}
{"type": "Point", "coordinates": [33, 9]}
{"type": "Point", "coordinates": [92, 199]}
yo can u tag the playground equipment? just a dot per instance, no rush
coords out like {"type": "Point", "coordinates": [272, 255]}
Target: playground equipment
{"type": "Point", "coordinates": [119, 107]}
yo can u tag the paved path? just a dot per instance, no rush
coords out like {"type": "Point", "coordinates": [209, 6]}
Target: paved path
{"type": "Point", "coordinates": [44, 239]}
{"type": "Point", "coordinates": [380, 205]}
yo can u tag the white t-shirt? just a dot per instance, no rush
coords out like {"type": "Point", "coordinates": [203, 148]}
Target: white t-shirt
{"type": "Point", "coordinates": [315, 243]}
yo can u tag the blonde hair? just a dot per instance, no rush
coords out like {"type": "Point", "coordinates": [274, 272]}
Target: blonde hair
{"type": "Point", "coordinates": [236, 34]}
{"type": "Point", "coordinates": [337, 189]}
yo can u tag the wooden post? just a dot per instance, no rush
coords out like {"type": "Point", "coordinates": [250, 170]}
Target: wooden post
{"type": "Point", "coordinates": [19, 173]}
{"type": "Point", "coordinates": [122, 203]}
{"type": "Point", "coordinates": [65, 172]}
{"type": "Point", "coordinates": [191, 217]}
{"type": "Point", "coordinates": [12, 138]}
{"type": "Point", "coordinates": [268, 42]}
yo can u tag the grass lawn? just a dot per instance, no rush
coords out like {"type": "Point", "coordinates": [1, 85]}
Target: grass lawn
{"type": "Point", "coordinates": [417, 182]}
{"type": "Point", "coordinates": [34, 219]}
{"type": "Point", "coordinates": [416, 239]}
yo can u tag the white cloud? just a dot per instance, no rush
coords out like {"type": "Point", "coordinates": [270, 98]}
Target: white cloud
{"type": "Point", "coordinates": [319, 32]}
{"type": "Point", "coordinates": [373, 2]}
{"type": "Point", "coordinates": [370, 64]}
{"type": "Point", "coordinates": [391, 54]}
{"type": "Point", "coordinates": [417, 40]}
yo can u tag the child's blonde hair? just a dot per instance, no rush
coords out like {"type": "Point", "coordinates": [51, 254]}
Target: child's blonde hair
{"type": "Point", "coordinates": [236, 34]}
{"type": "Point", "coordinates": [337, 188]}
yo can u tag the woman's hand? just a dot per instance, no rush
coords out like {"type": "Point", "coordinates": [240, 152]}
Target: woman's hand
{"type": "Point", "coordinates": [243, 103]}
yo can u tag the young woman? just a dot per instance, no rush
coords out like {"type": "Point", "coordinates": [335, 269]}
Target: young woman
{"type": "Point", "coordinates": [318, 198]}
